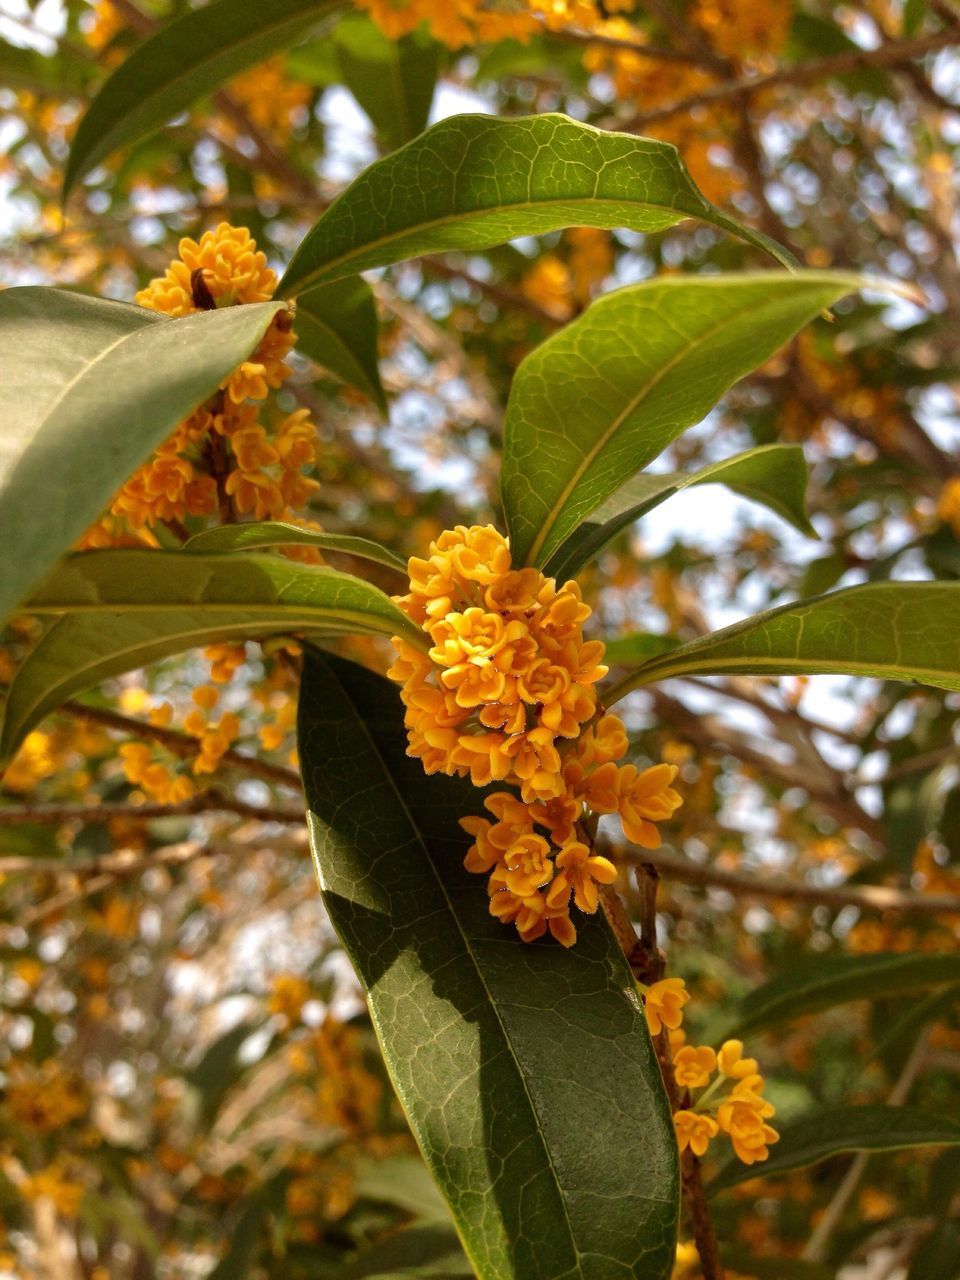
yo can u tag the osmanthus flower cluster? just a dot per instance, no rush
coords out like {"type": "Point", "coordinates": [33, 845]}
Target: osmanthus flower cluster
{"type": "Point", "coordinates": [729, 1087]}
{"type": "Point", "coordinates": [223, 456]}
{"type": "Point", "coordinates": [507, 693]}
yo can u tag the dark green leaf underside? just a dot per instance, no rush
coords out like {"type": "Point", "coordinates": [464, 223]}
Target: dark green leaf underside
{"type": "Point", "coordinates": [526, 1071]}
{"type": "Point", "coordinates": [336, 326]}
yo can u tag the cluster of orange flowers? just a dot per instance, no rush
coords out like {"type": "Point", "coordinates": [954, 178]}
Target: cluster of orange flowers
{"type": "Point", "coordinates": [741, 1112]}
{"type": "Point", "coordinates": [221, 456]}
{"type": "Point", "coordinates": [507, 693]}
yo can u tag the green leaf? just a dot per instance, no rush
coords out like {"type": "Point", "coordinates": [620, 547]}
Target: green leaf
{"type": "Point", "coordinates": [474, 181]}
{"type": "Point", "coordinates": [914, 12]}
{"type": "Point", "coordinates": [135, 607]}
{"type": "Point", "coordinates": [811, 985]}
{"type": "Point", "coordinates": [27, 69]}
{"type": "Point", "coordinates": [621, 651]}
{"type": "Point", "coordinates": [602, 398]}
{"type": "Point", "coordinates": [404, 1182]}
{"type": "Point", "coordinates": [890, 630]}
{"type": "Point", "coordinates": [834, 1130]}
{"type": "Point", "coordinates": [526, 1071]}
{"type": "Point", "coordinates": [188, 58]}
{"type": "Point", "coordinates": [88, 389]}
{"type": "Point", "coordinates": [337, 327]}
{"type": "Point", "coordinates": [276, 533]}
{"type": "Point", "coordinates": [774, 475]}
{"type": "Point", "coordinates": [936, 1259]}
{"type": "Point", "coordinates": [430, 1249]}
{"type": "Point", "coordinates": [392, 80]}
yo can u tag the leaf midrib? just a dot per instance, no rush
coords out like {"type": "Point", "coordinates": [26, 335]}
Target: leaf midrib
{"type": "Point", "coordinates": [414, 827]}
{"type": "Point", "coordinates": [333, 264]}
{"type": "Point", "coordinates": [80, 375]}
{"type": "Point", "coordinates": [590, 456]}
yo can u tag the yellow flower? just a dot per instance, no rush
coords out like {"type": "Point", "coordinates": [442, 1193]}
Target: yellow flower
{"type": "Point", "coordinates": [526, 866]}
{"type": "Point", "coordinates": [732, 1063]}
{"type": "Point", "coordinates": [506, 692]}
{"type": "Point", "coordinates": [579, 871]}
{"type": "Point", "coordinates": [748, 1132]}
{"type": "Point", "coordinates": [646, 798]}
{"type": "Point", "coordinates": [694, 1131]}
{"type": "Point", "coordinates": [663, 1002]}
{"type": "Point", "coordinates": [692, 1067]}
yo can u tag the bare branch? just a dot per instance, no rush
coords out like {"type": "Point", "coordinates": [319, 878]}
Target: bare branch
{"type": "Point", "coordinates": [866, 897]}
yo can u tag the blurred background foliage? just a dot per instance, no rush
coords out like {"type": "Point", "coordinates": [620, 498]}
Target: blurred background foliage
{"type": "Point", "coordinates": [190, 1086]}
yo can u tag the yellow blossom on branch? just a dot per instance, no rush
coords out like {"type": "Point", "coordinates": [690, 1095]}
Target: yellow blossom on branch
{"type": "Point", "coordinates": [663, 1003]}
{"type": "Point", "coordinates": [694, 1131]}
{"type": "Point", "coordinates": [506, 692]}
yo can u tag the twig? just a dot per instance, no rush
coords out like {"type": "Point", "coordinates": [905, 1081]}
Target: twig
{"type": "Point", "coordinates": [867, 897]}
{"type": "Point", "coordinates": [210, 801]}
{"type": "Point", "coordinates": [887, 55]}
{"type": "Point", "coordinates": [181, 744]}
{"type": "Point", "coordinates": [657, 53]}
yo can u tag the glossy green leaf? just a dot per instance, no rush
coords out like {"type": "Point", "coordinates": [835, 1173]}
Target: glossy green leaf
{"type": "Point", "coordinates": [494, 1047]}
{"type": "Point", "coordinates": [599, 400]}
{"type": "Point", "coordinates": [774, 475]}
{"type": "Point", "coordinates": [188, 58]}
{"type": "Point", "coordinates": [130, 608]}
{"type": "Point", "coordinates": [890, 630]}
{"type": "Point", "coordinates": [808, 986]}
{"type": "Point", "coordinates": [474, 181]}
{"type": "Point", "coordinates": [392, 80]}
{"type": "Point", "coordinates": [834, 1130]}
{"type": "Point", "coordinates": [88, 389]}
{"type": "Point", "coordinates": [276, 533]}
{"type": "Point", "coordinates": [337, 326]}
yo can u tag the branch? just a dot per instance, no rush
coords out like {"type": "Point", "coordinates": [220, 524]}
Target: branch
{"type": "Point", "coordinates": [211, 801]}
{"type": "Point", "coordinates": [656, 53]}
{"type": "Point", "coordinates": [867, 897]}
{"type": "Point", "coordinates": [181, 744]}
{"type": "Point", "coordinates": [895, 53]}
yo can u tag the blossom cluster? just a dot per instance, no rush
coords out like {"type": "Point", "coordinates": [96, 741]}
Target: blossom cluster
{"type": "Point", "coordinates": [729, 1102]}
{"type": "Point", "coordinates": [507, 693]}
{"type": "Point", "coordinates": [222, 456]}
